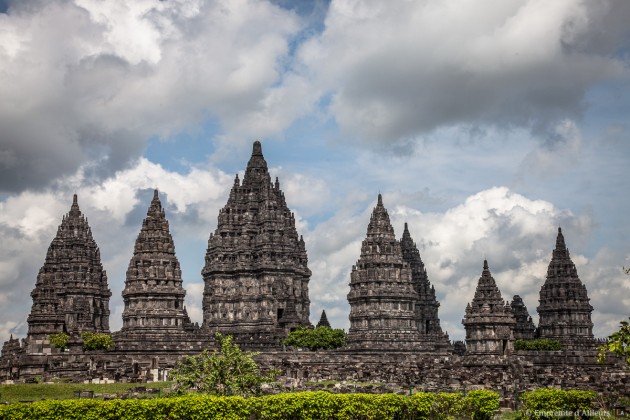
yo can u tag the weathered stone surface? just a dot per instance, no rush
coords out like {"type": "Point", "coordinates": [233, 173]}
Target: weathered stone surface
{"type": "Point", "coordinates": [153, 294]}
{"type": "Point", "coordinates": [382, 295]}
{"type": "Point", "coordinates": [524, 328]}
{"type": "Point", "coordinates": [564, 310]}
{"type": "Point", "coordinates": [71, 293]}
{"type": "Point", "coordinates": [426, 307]}
{"type": "Point", "coordinates": [256, 274]}
{"type": "Point", "coordinates": [488, 321]}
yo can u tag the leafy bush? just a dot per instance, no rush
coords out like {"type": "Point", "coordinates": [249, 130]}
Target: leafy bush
{"type": "Point", "coordinates": [96, 341]}
{"type": "Point", "coordinates": [543, 344]}
{"type": "Point", "coordinates": [306, 405]}
{"type": "Point", "coordinates": [224, 372]}
{"type": "Point", "coordinates": [618, 343]}
{"type": "Point", "coordinates": [545, 402]}
{"type": "Point", "coordinates": [324, 338]}
{"type": "Point", "coordinates": [483, 403]}
{"type": "Point", "coordinates": [59, 340]}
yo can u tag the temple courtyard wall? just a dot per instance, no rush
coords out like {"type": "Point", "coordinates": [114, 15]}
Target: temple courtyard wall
{"type": "Point", "coordinates": [509, 375]}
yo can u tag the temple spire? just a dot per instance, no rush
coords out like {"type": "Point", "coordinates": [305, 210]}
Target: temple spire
{"type": "Point", "coordinates": [153, 294]}
{"type": "Point", "coordinates": [380, 224]}
{"type": "Point", "coordinates": [257, 172]}
{"type": "Point", "coordinates": [488, 321]}
{"type": "Point", "coordinates": [71, 292]}
{"type": "Point", "coordinates": [255, 235]}
{"type": "Point", "coordinates": [560, 245]}
{"type": "Point", "coordinates": [74, 209]}
{"type": "Point", "coordinates": [323, 320]}
{"type": "Point", "coordinates": [257, 149]}
{"type": "Point", "coordinates": [564, 310]}
{"type": "Point", "coordinates": [382, 314]}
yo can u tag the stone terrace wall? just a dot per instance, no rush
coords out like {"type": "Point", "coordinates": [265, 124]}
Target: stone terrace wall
{"type": "Point", "coordinates": [509, 375]}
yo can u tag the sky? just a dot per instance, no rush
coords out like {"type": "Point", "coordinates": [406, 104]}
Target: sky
{"type": "Point", "coordinates": [484, 125]}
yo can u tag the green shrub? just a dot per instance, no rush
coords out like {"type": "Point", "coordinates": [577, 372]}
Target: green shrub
{"type": "Point", "coordinates": [543, 403]}
{"type": "Point", "coordinates": [302, 405]}
{"type": "Point", "coordinates": [323, 338]}
{"type": "Point", "coordinates": [421, 405]}
{"type": "Point", "coordinates": [483, 403]}
{"type": "Point", "coordinates": [96, 341]}
{"type": "Point", "coordinates": [59, 340]}
{"type": "Point", "coordinates": [225, 371]}
{"type": "Point", "coordinates": [541, 344]}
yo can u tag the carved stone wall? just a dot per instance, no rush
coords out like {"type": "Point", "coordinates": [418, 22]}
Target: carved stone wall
{"type": "Point", "coordinates": [360, 371]}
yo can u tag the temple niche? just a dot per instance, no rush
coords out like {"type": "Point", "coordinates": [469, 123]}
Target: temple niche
{"type": "Point", "coordinates": [71, 294]}
{"type": "Point", "coordinates": [256, 270]}
{"type": "Point", "coordinates": [488, 321]}
{"type": "Point", "coordinates": [153, 294]}
{"type": "Point", "coordinates": [564, 310]}
{"type": "Point", "coordinates": [382, 294]}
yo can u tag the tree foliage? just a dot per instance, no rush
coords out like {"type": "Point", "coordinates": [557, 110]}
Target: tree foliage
{"type": "Point", "coordinates": [96, 341]}
{"type": "Point", "coordinates": [323, 338]}
{"type": "Point", "coordinates": [59, 340]}
{"type": "Point", "coordinates": [618, 343]}
{"type": "Point", "coordinates": [226, 371]}
{"type": "Point", "coordinates": [540, 344]}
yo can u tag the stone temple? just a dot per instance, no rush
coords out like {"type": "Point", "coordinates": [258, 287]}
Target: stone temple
{"type": "Point", "coordinates": [256, 288]}
{"type": "Point", "coordinates": [489, 321]}
{"type": "Point", "coordinates": [153, 294]}
{"type": "Point", "coordinates": [392, 303]}
{"type": "Point", "coordinates": [565, 311]}
{"type": "Point", "coordinates": [71, 294]}
{"type": "Point", "coordinates": [382, 293]}
{"type": "Point", "coordinates": [256, 273]}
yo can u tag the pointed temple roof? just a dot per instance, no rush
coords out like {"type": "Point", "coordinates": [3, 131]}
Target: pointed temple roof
{"type": "Point", "coordinates": [323, 320]}
{"type": "Point", "coordinates": [427, 304]}
{"type": "Point", "coordinates": [379, 225]}
{"type": "Point", "coordinates": [488, 321]}
{"type": "Point", "coordinates": [525, 328]}
{"type": "Point", "coordinates": [153, 294]}
{"type": "Point", "coordinates": [565, 311]}
{"type": "Point", "coordinates": [382, 295]}
{"type": "Point", "coordinates": [256, 243]}
{"type": "Point", "coordinates": [71, 292]}
{"type": "Point", "coordinates": [488, 299]}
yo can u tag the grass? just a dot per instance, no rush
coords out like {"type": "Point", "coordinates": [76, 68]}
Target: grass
{"type": "Point", "coordinates": [64, 391]}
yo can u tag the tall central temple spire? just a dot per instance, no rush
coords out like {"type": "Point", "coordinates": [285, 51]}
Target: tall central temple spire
{"type": "Point", "coordinates": [256, 274]}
